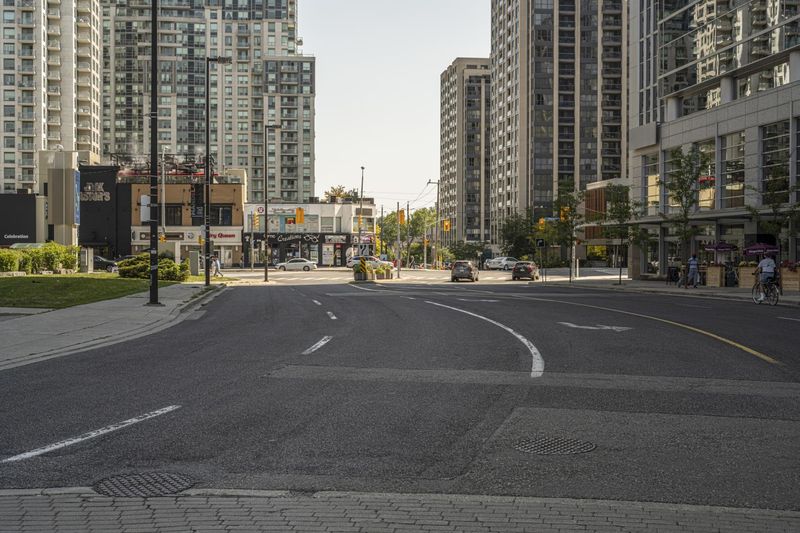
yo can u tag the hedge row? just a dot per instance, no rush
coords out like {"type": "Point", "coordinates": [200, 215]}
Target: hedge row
{"type": "Point", "coordinates": [139, 267]}
{"type": "Point", "coordinates": [52, 256]}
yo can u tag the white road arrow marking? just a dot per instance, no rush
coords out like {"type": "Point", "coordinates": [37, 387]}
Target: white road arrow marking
{"type": "Point", "coordinates": [322, 342]}
{"type": "Point", "coordinates": [597, 327]}
{"type": "Point", "coordinates": [787, 318]}
{"type": "Point", "coordinates": [317, 302]}
{"type": "Point", "coordinates": [333, 317]}
{"type": "Point", "coordinates": [90, 434]}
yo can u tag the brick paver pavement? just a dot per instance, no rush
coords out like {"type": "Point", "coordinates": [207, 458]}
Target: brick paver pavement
{"type": "Point", "coordinates": [82, 510]}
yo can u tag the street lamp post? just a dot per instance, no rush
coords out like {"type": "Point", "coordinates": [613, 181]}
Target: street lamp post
{"type": "Point", "coordinates": [360, 210]}
{"type": "Point", "coordinates": [277, 130]}
{"type": "Point", "coordinates": [435, 247]}
{"type": "Point", "coordinates": [207, 188]}
{"type": "Point", "coordinates": [154, 154]}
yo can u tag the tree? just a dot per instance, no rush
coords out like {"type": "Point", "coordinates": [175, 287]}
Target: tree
{"type": "Point", "coordinates": [516, 233]}
{"type": "Point", "coordinates": [569, 220]}
{"type": "Point", "coordinates": [619, 216]}
{"type": "Point", "coordinates": [682, 186]}
{"type": "Point", "coordinates": [339, 191]}
{"type": "Point", "coordinates": [466, 250]}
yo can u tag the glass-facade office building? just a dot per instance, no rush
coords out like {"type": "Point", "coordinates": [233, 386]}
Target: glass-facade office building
{"type": "Point", "coordinates": [723, 77]}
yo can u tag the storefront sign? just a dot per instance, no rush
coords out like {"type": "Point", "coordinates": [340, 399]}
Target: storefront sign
{"type": "Point", "coordinates": [17, 218]}
{"type": "Point", "coordinates": [95, 192]}
{"type": "Point", "coordinates": [340, 239]}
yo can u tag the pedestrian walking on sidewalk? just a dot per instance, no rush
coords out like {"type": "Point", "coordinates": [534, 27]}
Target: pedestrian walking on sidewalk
{"type": "Point", "coordinates": [217, 266]}
{"type": "Point", "coordinates": [694, 272]}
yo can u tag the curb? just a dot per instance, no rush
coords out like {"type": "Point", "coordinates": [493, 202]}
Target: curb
{"type": "Point", "coordinates": [176, 316]}
{"type": "Point", "coordinates": [715, 296]}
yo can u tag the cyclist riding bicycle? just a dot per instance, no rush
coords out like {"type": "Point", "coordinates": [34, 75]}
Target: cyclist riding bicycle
{"type": "Point", "coordinates": [766, 270]}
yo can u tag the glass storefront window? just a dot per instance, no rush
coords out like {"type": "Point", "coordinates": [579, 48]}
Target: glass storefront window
{"type": "Point", "coordinates": [775, 162]}
{"type": "Point", "coordinates": [708, 175]}
{"type": "Point", "coordinates": [653, 187]}
{"type": "Point", "coordinates": [733, 170]}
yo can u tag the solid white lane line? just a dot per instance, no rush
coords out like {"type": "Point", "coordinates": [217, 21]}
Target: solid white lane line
{"type": "Point", "coordinates": [333, 317]}
{"type": "Point", "coordinates": [90, 434]}
{"type": "Point", "coordinates": [322, 342]}
{"type": "Point", "coordinates": [316, 302]}
{"type": "Point", "coordinates": [787, 318]}
{"type": "Point", "coordinates": [537, 362]}
{"type": "Point", "coordinates": [597, 327]}
{"type": "Point", "coordinates": [476, 300]}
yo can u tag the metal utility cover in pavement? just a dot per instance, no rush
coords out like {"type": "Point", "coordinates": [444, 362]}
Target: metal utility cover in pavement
{"type": "Point", "coordinates": [553, 446]}
{"type": "Point", "coordinates": [144, 485]}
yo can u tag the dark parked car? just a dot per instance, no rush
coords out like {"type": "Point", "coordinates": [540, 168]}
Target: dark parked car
{"type": "Point", "coordinates": [464, 269]}
{"type": "Point", "coordinates": [101, 263]}
{"type": "Point", "coordinates": [525, 269]}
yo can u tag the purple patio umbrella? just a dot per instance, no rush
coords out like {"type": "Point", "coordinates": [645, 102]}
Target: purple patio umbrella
{"type": "Point", "coordinates": [760, 248]}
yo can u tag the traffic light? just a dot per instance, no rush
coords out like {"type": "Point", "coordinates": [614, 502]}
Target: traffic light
{"type": "Point", "coordinates": [564, 213]}
{"type": "Point", "coordinates": [446, 225]}
{"type": "Point", "coordinates": [360, 220]}
{"type": "Point", "coordinates": [541, 224]}
{"type": "Point", "coordinates": [162, 238]}
{"type": "Point", "coordinates": [300, 216]}
{"type": "Point", "coordinates": [402, 216]}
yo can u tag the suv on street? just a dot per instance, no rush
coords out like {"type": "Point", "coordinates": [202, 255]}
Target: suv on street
{"type": "Point", "coordinates": [465, 270]}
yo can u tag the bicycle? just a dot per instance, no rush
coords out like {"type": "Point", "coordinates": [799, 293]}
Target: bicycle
{"type": "Point", "coordinates": [769, 289]}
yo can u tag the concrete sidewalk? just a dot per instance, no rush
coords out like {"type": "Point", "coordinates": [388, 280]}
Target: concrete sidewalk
{"type": "Point", "coordinates": [32, 338]}
{"type": "Point", "coordinates": [81, 510]}
{"type": "Point", "coordinates": [791, 298]}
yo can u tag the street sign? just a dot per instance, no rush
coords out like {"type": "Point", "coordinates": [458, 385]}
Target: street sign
{"type": "Point", "coordinates": [540, 243]}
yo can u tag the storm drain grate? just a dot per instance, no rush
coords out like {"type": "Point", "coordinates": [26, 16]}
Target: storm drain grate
{"type": "Point", "coordinates": [144, 485]}
{"type": "Point", "coordinates": [553, 446]}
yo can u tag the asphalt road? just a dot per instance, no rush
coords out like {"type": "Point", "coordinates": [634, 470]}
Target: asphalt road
{"type": "Point", "coordinates": [425, 387]}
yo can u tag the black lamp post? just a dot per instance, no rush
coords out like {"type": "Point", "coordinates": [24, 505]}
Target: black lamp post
{"type": "Point", "coordinates": [207, 189]}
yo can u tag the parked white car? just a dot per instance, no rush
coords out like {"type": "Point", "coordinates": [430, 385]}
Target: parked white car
{"type": "Point", "coordinates": [500, 263]}
{"type": "Point", "coordinates": [371, 260]}
{"type": "Point", "coordinates": [297, 264]}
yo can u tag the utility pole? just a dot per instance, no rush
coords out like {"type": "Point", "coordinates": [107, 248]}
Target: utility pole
{"type": "Point", "coordinates": [360, 210]}
{"type": "Point", "coordinates": [154, 153]}
{"type": "Point", "coordinates": [408, 232]}
{"type": "Point", "coordinates": [399, 256]}
{"type": "Point", "coordinates": [383, 246]}
{"type": "Point", "coordinates": [277, 130]}
{"type": "Point", "coordinates": [435, 247]}
{"type": "Point", "coordinates": [252, 241]}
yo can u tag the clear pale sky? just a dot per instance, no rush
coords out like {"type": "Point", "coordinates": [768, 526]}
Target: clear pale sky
{"type": "Point", "coordinates": [378, 68]}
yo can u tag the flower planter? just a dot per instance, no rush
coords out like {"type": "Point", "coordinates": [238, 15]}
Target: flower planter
{"type": "Point", "coordinates": [746, 277]}
{"type": "Point", "coordinates": [715, 276]}
{"type": "Point", "coordinates": [790, 280]}
{"type": "Point", "coordinates": [363, 276]}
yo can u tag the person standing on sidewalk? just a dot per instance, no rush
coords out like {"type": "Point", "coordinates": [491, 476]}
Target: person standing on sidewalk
{"type": "Point", "coordinates": [694, 272]}
{"type": "Point", "coordinates": [217, 266]}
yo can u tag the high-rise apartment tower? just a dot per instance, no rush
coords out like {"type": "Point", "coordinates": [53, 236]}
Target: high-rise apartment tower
{"type": "Point", "coordinates": [51, 67]}
{"type": "Point", "coordinates": [558, 94]}
{"type": "Point", "coordinates": [464, 151]}
{"type": "Point", "coordinates": [267, 83]}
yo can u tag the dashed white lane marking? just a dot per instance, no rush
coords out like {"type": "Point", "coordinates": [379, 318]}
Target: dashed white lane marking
{"type": "Point", "coordinates": [476, 300]}
{"type": "Point", "coordinates": [317, 302]}
{"type": "Point", "coordinates": [597, 327]}
{"type": "Point", "coordinates": [90, 434]}
{"type": "Point", "coordinates": [537, 362]}
{"type": "Point", "coordinates": [409, 297]}
{"type": "Point", "coordinates": [322, 342]}
{"type": "Point", "coordinates": [787, 318]}
{"type": "Point", "coordinates": [333, 317]}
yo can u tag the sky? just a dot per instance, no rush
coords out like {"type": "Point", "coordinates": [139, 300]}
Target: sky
{"type": "Point", "coordinates": [377, 103]}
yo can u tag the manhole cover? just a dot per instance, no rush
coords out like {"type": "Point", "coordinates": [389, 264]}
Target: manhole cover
{"type": "Point", "coordinates": [553, 446]}
{"type": "Point", "coordinates": [143, 485]}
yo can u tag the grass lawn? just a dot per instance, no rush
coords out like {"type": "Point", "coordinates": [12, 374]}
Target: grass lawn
{"type": "Point", "coordinates": [202, 279]}
{"type": "Point", "coordinates": [56, 292]}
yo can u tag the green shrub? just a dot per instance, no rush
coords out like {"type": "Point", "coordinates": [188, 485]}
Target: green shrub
{"type": "Point", "coordinates": [36, 257]}
{"type": "Point", "coordinates": [9, 260]}
{"type": "Point", "coordinates": [25, 262]}
{"type": "Point", "coordinates": [139, 267]}
{"type": "Point", "coordinates": [69, 257]}
{"type": "Point", "coordinates": [52, 253]}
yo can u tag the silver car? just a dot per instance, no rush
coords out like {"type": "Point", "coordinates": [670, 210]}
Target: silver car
{"type": "Point", "coordinates": [501, 263]}
{"type": "Point", "coordinates": [297, 264]}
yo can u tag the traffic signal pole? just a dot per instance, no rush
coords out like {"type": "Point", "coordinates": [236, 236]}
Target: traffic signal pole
{"type": "Point", "coordinates": [399, 255]}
